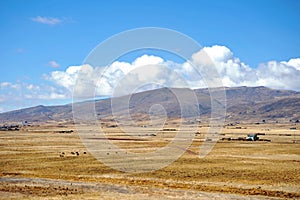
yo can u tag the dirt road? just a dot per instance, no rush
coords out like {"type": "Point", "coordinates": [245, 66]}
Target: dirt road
{"type": "Point", "coordinates": [39, 188]}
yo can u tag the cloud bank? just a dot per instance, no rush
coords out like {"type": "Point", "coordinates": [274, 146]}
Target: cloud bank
{"type": "Point", "coordinates": [273, 74]}
{"type": "Point", "coordinates": [150, 72]}
{"type": "Point", "coordinates": [231, 71]}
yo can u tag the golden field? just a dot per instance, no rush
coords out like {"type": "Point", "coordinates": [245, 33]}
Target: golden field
{"type": "Point", "coordinates": [42, 161]}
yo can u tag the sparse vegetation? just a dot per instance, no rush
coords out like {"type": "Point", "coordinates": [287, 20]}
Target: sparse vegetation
{"type": "Point", "coordinates": [233, 167]}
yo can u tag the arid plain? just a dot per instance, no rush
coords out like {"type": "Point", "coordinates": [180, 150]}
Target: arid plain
{"type": "Point", "coordinates": [49, 160]}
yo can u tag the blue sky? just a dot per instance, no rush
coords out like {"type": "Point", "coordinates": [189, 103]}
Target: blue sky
{"type": "Point", "coordinates": [40, 37]}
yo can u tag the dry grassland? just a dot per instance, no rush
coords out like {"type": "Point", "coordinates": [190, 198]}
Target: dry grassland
{"type": "Point", "coordinates": [41, 161]}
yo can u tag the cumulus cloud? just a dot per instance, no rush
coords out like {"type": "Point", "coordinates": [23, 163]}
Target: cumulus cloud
{"type": "Point", "coordinates": [273, 74]}
{"type": "Point", "coordinates": [120, 78]}
{"type": "Point", "coordinates": [210, 67]}
{"type": "Point", "coordinates": [295, 63]}
{"type": "Point", "coordinates": [282, 75]}
{"type": "Point", "coordinates": [47, 20]}
{"type": "Point", "coordinates": [229, 69]}
{"type": "Point", "coordinates": [66, 78]}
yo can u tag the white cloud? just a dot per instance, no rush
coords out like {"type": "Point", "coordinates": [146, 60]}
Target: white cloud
{"type": "Point", "coordinates": [294, 62]}
{"type": "Point", "coordinates": [209, 67]}
{"type": "Point", "coordinates": [65, 79]}
{"type": "Point", "coordinates": [103, 81]}
{"type": "Point", "coordinates": [147, 60]}
{"type": "Point", "coordinates": [231, 70]}
{"type": "Point", "coordinates": [54, 64]}
{"type": "Point", "coordinates": [281, 75]}
{"type": "Point", "coordinates": [273, 74]}
{"type": "Point", "coordinates": [212, 66]}
{"type": "Point", "coordinates": [22, 94]}
{"type": "Point", "coordinates": [47, 20]}
{"type": "Point", "coordinates": [219, 53]}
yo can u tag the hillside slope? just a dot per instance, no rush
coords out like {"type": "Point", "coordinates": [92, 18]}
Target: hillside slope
{"type": "Point", "coordinates": [243, 104]}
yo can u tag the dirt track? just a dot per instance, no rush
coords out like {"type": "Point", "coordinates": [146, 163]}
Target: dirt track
{"type": "Point", "coordinates": [39, 188]}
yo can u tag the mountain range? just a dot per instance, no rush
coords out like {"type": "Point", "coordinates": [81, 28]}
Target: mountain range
{"type": "Point", "coordinates": [249, 104]}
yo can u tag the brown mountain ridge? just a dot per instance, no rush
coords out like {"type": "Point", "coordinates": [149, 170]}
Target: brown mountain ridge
{"type": "Point", "coordinates": [253, 104]}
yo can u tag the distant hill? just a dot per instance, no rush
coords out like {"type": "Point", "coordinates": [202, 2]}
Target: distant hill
{"type": "Point", "coordinates": [261, 103]}
{"type": "Point", "coordinates": [38, 114]}
{"type": "Point", "coordinates": [243, 104]}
